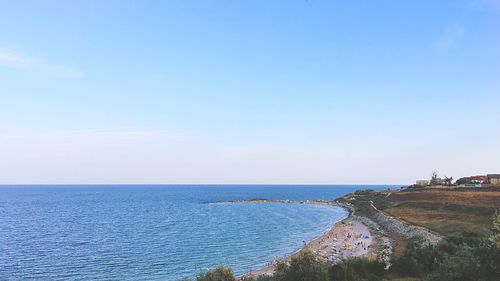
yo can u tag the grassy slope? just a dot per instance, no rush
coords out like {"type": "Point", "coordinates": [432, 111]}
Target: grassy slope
{"type": "Point", "coordinates": [446, 211]}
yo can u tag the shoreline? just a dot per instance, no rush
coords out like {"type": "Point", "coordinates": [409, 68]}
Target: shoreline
{"type": "Point", "coordinates": [348, 237]}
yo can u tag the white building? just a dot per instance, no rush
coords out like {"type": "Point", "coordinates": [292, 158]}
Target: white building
{"type": "Point", "coordinates": [422, 182]}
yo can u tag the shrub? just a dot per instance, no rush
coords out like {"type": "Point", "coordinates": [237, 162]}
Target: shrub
{"type": "Point", "coordinates": [357, 269]}
{"type": "Point", "coordinates": [463, 265]}
{"type": "Point", "coordinates": [264, 278]}
{"type": "Point", "coordinates": [221, 273]}
{"type": "Point", "coordinates": [460, 257]}
{"type": "Point", "coordinates": [304, 267]}
{"type": "Point", "coordinates": [494, 238]}
{"type": "Point", "coordinates": [364, 191]}
{"type": "Point", "coordinates": [415, 186]}
{"type": "Point", "coordinates": [418, 259]}
{"type": "Point", "coordinates": [258, 278]}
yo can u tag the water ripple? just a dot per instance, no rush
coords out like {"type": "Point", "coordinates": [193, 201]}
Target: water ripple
{"type": "Point", "coordinates": [152, 232]}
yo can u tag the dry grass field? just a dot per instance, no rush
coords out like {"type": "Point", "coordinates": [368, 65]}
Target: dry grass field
{"type": "Point", "coordinates": [446, 211]}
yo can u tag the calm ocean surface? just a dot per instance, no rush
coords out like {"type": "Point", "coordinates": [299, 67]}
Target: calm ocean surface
{"type": "Point", "coordinates": [145, 232]}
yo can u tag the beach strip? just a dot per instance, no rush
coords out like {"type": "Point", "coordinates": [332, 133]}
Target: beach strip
{"type": "Point", "coordinates": [347, 238]}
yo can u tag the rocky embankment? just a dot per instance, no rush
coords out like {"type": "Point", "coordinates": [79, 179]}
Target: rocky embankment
{"type": "Point", "coordinates": [386, 225]}
{"type": "Point", "coordinates": [393, 225]}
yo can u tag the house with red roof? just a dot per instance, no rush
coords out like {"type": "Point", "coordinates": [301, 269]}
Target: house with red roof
{"type": "Point", "coordinates": [489, 180]}
{"type": "Point", "coordinates": [493, 179]}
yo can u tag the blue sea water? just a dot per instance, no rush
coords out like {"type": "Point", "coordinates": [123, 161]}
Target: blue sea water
{"type": "Point", "coordinates": [154, 232]}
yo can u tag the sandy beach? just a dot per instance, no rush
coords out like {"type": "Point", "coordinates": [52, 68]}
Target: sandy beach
{"type": "Point", "coordinates": [347, 238]}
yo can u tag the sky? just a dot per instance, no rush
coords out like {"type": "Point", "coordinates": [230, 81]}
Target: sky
{"type": "Point", "coordinates": [292, 92]}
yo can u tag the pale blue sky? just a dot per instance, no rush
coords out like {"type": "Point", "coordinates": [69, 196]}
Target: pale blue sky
{"type": "Point", "coordinates": [248, 91]}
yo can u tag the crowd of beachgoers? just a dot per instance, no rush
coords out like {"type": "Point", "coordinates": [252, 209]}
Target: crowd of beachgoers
{"type": "Point", "coordinates": [347, 238]}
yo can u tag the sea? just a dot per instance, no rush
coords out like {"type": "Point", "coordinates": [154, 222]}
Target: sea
{"type": "Point", "coordinates": [155, 232]}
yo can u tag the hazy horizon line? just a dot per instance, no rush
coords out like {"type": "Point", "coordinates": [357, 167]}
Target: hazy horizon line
{"type": "Point", "coordinates": [205, 184]}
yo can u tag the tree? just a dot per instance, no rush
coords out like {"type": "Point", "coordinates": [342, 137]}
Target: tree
{"type": "Point", "coordinates": [434, 178]}
{"type": "Point", "coordinates": [448, 180]}
{"type": "Point", "coordinates": [221, 273]}
{"type": "Point", "coordinates": [464, 180]}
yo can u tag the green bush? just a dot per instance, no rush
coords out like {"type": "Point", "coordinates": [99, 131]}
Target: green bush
{"type": "Point", "coordinates": [221, 273]}
{"type": "Point", "coordinates": [461, 257]}
{"type": "Point", "coordinates": [463, 265]}
{"type": "Point", "coordinates": [258, 278]}
{"type": "Point", "coordinates": [304, 267]}
{"type": "Point", "coordinates": [357, 269]}
{"type": "Point", "coordinates": [364, 191]}
{"type": "Point", "coordinates": [418, 259]}
{"type": "Point", "coordinates": [264, 278]}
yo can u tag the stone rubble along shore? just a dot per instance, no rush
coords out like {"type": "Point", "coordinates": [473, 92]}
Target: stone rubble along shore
{"type": "Point", "coordinates": [386, 224]}
{"type": "Point", "coordinates": [383, 225]}
{"type": "Point", "coordinates": [384, 241]}
{"type": "Point", "coordinates": [396, 226]}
